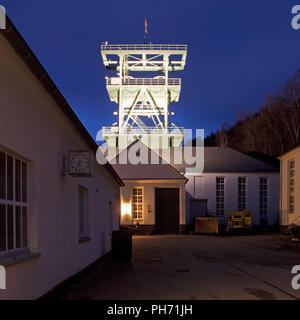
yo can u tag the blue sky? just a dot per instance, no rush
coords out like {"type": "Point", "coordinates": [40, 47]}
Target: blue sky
{"type": "Point", "coordinates": [239, 51]}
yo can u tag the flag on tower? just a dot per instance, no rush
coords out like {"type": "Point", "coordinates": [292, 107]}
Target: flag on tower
{"type": "Point", "coordinates": [146, 26]}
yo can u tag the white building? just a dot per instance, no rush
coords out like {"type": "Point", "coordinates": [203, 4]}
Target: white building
{"type": "Point", "coordinates": [290, 188]}
{"type": "Point", "coordinates": [230, 181]}
{"type": "Point", "coordinates": [153, 198]}
{"type": "Point", "coordinates": [52, 225]}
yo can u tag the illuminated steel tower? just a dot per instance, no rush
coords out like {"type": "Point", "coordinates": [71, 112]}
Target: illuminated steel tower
{"type": "Point", "coordinates": [143, 102]}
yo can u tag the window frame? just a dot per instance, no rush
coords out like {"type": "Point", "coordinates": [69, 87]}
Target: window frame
{"type": "Point", "coordinates": [220, 212]}
{"type": "Point", "coordinates": [263, 220]}
{"type": "Point", "coordinates": [291, 187]}
{"type": "Point", "coordinates": [22, 203]}
{"type": "Point", "coordinates": [138, 203]}
{"type": "Point", "coordinates": [263, 213]}
{"type": "Point", "coordinates": [239, 208]}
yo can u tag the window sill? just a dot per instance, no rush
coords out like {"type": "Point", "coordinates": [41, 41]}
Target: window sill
{"type": "Point", "coordinates": [20, 258]}
{"type": "Point", "coordinates": [84, 239]}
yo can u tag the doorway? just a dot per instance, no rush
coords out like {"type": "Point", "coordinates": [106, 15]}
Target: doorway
{"type": "Point", "coordinates": [198, 208]}
{"type": "Point", "coordinates": [167, 210]}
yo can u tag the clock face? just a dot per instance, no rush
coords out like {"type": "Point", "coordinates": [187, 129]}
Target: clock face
{"type": "Point", "coordinates": [79, 163]}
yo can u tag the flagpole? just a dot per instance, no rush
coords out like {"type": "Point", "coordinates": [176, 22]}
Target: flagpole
{"type": "Point", "coordinates": [146, 29]}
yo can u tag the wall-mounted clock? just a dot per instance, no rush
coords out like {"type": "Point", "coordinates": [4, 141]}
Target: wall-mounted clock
{"type": "Point", "coordinates": [79, 163]}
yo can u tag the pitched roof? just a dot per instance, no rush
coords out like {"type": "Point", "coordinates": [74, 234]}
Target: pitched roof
{"type": "Point", "coordinates": [217, 159]}
{"type": "Point", "coordinates": [150, 166]}
{"type": "Point", "coordinates": [12, 35]}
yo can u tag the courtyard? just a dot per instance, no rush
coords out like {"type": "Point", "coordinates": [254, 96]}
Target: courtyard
{"type": "Point", "coordinates": [193, 267]}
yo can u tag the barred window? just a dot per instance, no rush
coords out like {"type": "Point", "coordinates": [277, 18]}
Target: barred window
{"type": "Point", "coordinates": [220, 186]}
{"type": "Point", "coordinates": [242, 193]}
{"type": "Point", "coordinates": [291, 186]}
{"type": "Point", "coordinates": [263, 196]}
{"type": "Point", "coordinates": [138, 203]}
{"type": "Point", "coordinates": [13, 203]}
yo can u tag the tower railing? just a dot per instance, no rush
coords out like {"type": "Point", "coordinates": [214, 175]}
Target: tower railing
{"type": "Point", "coordinates": [139, 47]}
{"type": "Point", "coordinates": [143, 82]}
{"type": "Point", "coordinates": [147, 130]}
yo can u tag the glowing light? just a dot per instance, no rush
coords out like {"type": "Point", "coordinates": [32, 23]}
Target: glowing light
{"type": "Point", "coordinates": [126, 209]}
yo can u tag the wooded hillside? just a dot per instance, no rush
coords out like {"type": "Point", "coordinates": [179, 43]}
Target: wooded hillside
{"type": "Point", "coordinates": [271, 131]}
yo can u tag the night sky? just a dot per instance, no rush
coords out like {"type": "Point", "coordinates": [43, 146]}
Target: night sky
{"type": "Point", "coordinates": [238, 51]}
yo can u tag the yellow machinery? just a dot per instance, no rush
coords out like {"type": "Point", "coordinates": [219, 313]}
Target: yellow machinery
{"type": "Point", "coordinates": [206, 225]}
{"type": "Point", "coordinates": [239, 220]}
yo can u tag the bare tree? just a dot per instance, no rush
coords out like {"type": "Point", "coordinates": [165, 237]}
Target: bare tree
{"type": "Point", "coordinates": [271, 131]}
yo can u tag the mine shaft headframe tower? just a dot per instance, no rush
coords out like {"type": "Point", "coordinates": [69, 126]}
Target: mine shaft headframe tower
{"type": "Point", "coordinates": [143, 98]}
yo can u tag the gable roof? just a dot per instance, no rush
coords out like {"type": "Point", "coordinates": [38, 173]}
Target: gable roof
{"type": "Point", "coordinates": [217, 159]}
{"type": "Point", "coordinates": [158, 170]}
{"type": "Point", "coordinates": [14, 38]}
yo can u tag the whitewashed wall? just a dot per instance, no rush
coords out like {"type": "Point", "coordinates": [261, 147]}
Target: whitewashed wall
{"type": "Point", "coordinates": [33, 127]}
{"type": "Point", "coordinates": [205, 188]}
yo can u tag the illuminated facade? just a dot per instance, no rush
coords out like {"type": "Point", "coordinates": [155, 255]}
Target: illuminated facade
{"type": "Point", "coordinates": [143, 102]}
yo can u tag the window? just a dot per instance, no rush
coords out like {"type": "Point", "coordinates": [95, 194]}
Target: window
{"type": "Point", "coordinates": [291, 186]}
{"type": "Point", "coordinates": [138, 203]}
{"type": "Point", "coordinates": [83, 212]}
{"type": "Point", "coordinates": [220, 182]}
{"type": "Point", "coordinates": [263, 221]}
{"type": "Point", "coordinates": [241, 193]}
{"type": "Point", "coordinates": [13, 203]}
{"type": "Point", "coordinates": [263, 196]}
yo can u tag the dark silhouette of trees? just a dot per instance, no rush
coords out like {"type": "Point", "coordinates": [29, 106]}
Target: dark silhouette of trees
{"type": "Point", "coordinates": [274, 129]}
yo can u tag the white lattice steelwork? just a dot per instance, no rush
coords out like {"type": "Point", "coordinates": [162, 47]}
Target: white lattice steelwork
{"type": "Point", "coordinates": [143, 102]}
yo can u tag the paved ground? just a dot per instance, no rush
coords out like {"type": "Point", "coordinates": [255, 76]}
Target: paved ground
{"type": "Point", "coordinates": [195, 267]}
